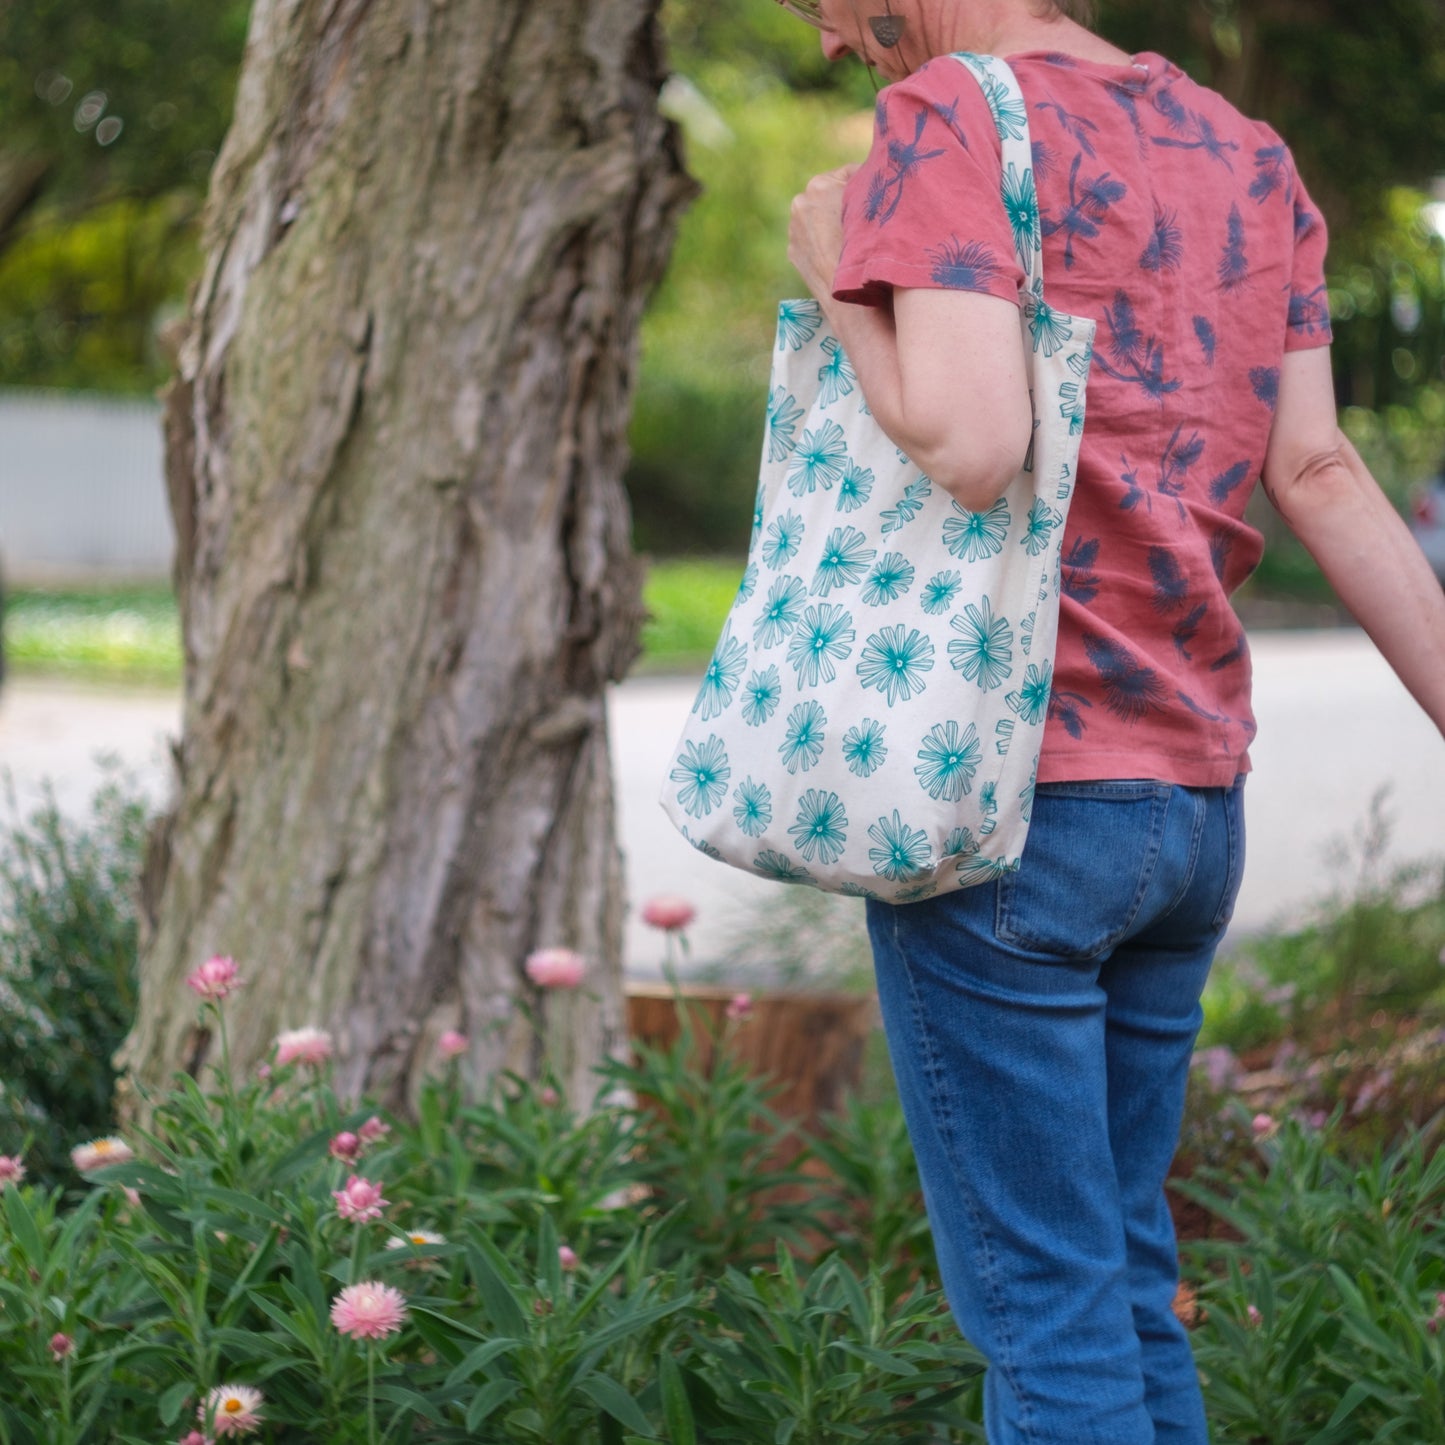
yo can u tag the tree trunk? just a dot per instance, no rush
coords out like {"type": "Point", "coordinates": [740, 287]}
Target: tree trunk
{"type": "Point", "coordinates": [394, 450]}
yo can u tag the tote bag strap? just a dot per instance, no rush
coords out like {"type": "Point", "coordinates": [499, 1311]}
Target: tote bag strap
{"type": "Point", "coordinates": [1020, 196]}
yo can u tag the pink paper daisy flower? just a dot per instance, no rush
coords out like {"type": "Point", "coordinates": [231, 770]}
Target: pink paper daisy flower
{"type": "Point", "coordinates": [100, 1152]}
{"type": "Point", "coordinates": [369, 1311]}
{"type": "Point", "coordinates": [451, 1044]}
{"type": "Point", "coordinates": [740, 1005]}
{"type": "Point", "coordinates": [236, 1409]}
{"type": "Point", "coordinates": [668, 912]}
{"type": "Point", "coordinates": [360, 1200]}
{"type": "Point", "coordinates": [303, 1046]}
{"type": "Point", "coordinates": [215, 978]}
{"type": "Point", "coordinates": [556, 968]}
{"type": "Point", "coordinates": [345, 1145]}
{"type": "Point", "coordinates": [12, 1171]}
{"type": "Point", "coordinates": [373, 1130]}
{"type": "Point", "coordinates": [60, 1346]}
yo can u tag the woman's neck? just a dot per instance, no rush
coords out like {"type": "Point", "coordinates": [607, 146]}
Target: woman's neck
{"type": "Point", "coordinates": [1010, 27]}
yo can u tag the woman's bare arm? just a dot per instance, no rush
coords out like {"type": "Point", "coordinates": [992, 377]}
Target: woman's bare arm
{"type": "Point", "coordinates": [1323, 490]}
{"type": "Point", "coordinates": [943, 372]}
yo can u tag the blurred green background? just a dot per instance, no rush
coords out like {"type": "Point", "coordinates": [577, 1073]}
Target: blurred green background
{"type": "Point", "coordinates": [110, 118]}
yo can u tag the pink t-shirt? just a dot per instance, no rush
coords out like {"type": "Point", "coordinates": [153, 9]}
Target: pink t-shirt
{"type": "Point", "coordinates": [1183, 229]}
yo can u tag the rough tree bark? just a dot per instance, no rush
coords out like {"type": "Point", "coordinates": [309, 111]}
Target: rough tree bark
{"type": "Point", "coordinates": [394, 449]}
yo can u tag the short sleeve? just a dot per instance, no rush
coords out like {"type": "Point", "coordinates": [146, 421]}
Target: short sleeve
{"type": "Point", "coordinates": [926, 208]}
{"type": "Point", "coordinates": [1309, 303]}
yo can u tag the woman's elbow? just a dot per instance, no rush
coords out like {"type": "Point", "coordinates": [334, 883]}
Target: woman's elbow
{"type": "Point", "coordinates": [978, 475]}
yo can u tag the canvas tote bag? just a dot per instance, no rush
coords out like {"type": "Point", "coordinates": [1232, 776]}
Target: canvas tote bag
{"type": "Point", "coordinates": [871, 719]}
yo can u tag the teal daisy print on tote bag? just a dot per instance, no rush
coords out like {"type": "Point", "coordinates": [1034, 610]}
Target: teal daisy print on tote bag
{"type": "Point", "coordinates": [871, 718]}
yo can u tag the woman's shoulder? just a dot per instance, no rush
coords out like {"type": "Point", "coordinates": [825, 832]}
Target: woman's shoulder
{"type": "Point", "coordinates": [940, 105]}
{"type": "Point", "coordinates": [938, 82]}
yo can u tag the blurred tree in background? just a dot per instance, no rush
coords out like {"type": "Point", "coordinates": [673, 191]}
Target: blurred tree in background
{"type": "Point", "coordinates": [97, 221]}
{"type": "Point", "coordinates": [110, 118]}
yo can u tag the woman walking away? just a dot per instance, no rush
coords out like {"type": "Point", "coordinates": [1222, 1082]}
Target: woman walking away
{"type": "Point", "coordinates": [1041, 1024]}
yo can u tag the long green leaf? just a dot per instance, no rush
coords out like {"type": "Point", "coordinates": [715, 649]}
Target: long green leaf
{"type": "Point", "coordinates": [676, 1407]}
{"type": "Point", "coordinates": [476, 1359]}
{"type": "Point", "coordinates": [608, 1395]}
{"type": "Point", "coordinates": [410, 1401]}
{"type": "Point", "coordinates": [488, 1400]}
{"type": "Point", "coordinates": [24, 1229]}
{"type": "Point", "coordinates": [490, 1273]}
{"type": "Point", "coordinates": [286, 1320]}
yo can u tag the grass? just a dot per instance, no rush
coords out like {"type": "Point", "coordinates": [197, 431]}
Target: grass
{"type": "Point", "coordinates": [121, 634]}
{"type": "Point", "coordinates": [132, 634]}
{"type": "Point", "coordinates": [688, 598]}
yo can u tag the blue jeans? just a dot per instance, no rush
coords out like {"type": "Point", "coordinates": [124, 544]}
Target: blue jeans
{"type": "Point", "coordinates": [1040, 1028]}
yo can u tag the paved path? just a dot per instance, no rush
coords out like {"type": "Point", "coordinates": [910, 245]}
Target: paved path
{"type": "Point", "coordinates": [1334, 726]}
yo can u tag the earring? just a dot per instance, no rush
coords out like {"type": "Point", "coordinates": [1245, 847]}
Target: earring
{"type": "Point", "coordinates": [887, 29]}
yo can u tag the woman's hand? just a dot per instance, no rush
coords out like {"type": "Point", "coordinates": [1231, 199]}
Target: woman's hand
{"type": "Point", "coordinates": [815, 231]}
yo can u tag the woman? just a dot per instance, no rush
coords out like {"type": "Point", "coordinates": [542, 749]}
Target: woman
{"type": "Point", "coordinates": [1041, 1025]}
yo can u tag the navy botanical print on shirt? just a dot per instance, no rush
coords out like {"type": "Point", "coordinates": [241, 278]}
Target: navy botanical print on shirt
{"type": "Point", "coordinates": [1132, 356]}
{"type": "Point", "coordinates": [1271, 173]}
{"type": "Point", "coordinates": [1090, 198]}
{"type": "Point", "coordinates": [1165, 249]}
{"type": "Point", "coordinates": [970, 267]}
{"type": "Point", "coordinates": [1233, 270]}
{"type": "Point", "coordinates": [904, 160]}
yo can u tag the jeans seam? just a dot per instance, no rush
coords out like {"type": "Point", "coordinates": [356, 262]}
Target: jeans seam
{"type": "Point", "coordinates": [1159, 817]}
{"type": "Point", "coordinates": [1231, 877]}
{"type": "Point", "coordinates": [942, 1112]}
{"type": "Point", "coordinates": [1196, 836]}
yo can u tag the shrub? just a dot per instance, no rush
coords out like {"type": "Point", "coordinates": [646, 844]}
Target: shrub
{"type": "Point", "coordinates": [1321, 1321]}
{"type": "Point", "coordinates": [67, 968]}
{"type": "Point", "coordinates": [528, 1273]}
{"type": "Point", "coordinates": [516, 1270]}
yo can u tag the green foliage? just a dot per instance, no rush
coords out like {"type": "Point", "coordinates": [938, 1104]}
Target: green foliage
{"type": "Point", "coordinates": [820, 1359]}
{"type": "Point", "coordinates": [687, 600]}
{"type": "Point", "coordinates": [1375, 944]}
{"type": "Point", "coordinates": [698, 416]}
{"type": "Point", "coordinates": [759, 39]}
{"type": "Point", "coordinates": [80, 298]}
{"type": "Point", "coordinates": [166, 72]}
{"type": "Point", "coordinates": [1242, 1009]}
{"type": "Point", "coordinates": [227, 1266]}
{"type": "Point", "coordinates": [1342, 1264]}
{"type": "Point", "coordinates": [112, 117]}
{"type": "Point", "coordinates": [666, 1320]}
{"type": "Point", "coordinates": [871, 1205]}
{"type": "Point", "coordinates": [67, 969]}
{"type": "Point", "coordinates": [709, 1150]}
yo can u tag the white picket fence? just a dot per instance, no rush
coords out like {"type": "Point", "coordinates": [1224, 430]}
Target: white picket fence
{"type": "Point", "coordinates": [82, 489]}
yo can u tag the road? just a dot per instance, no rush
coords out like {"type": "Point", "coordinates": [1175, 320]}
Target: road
{"type": "Point", "coordinates": [1334, 728]}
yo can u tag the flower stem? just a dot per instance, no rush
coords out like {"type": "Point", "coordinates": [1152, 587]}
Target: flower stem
{"type": "Point", "coordinates": [65, 1406]}
{"type": "Point", "coordinates": [229, 1111]}
{"type": "Point", "coordinates": [370, 1394]}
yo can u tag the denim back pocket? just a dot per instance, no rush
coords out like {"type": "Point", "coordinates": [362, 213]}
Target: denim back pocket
{"type": "Point", "coordinates": [1086, 867]}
